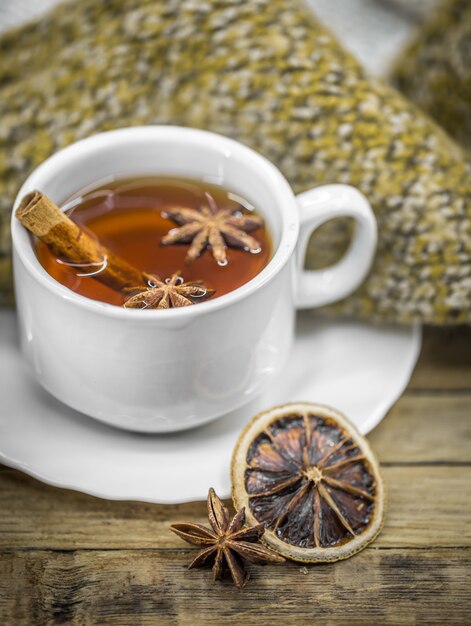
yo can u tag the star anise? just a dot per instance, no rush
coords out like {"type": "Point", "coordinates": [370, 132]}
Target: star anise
{"type": "Point", "coordinates": [214, 227]}
{"type": "Point", "coordinates": [228, 544]}
{"type": "Point", "coordinates": [170, 293]}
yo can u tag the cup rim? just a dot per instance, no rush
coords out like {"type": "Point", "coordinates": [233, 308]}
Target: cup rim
{"type": "Point", "coordinates": [286, 203]}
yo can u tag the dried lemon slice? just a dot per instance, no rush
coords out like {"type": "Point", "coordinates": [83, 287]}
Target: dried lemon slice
{"type": "Point", "coordinates": [312, 479]}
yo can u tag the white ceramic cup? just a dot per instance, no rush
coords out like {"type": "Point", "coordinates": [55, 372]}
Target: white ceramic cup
{"type": "Point", "coordinates": [168, 370]}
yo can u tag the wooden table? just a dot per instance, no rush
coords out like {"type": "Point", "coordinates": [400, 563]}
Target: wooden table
{"type": "Point", "coordinates": [70, 558]}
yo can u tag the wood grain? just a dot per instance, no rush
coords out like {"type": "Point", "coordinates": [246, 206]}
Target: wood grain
{"type": "Point", "coordinates": [426, 506]}
{"type": "Point", "coordinates": [69, 558]}
{"type": "Point", "coordinates": [425, 429]}
{"type": "Point", "coordinates": [137, 587]}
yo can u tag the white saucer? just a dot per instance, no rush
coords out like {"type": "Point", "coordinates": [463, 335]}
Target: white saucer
{"type": "Point", "coordinates": [357, 368]}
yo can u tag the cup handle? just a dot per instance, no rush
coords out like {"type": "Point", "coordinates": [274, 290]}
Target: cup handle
{"type": "Point", "coordinates": [319, 287]}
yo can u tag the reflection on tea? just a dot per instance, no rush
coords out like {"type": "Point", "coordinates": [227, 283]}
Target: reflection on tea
{"type": "Point", "coordinates": [163, 226]}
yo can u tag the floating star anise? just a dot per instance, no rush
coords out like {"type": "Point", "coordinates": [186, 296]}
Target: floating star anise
{"type": "Point", "coordinates": [227, 544]}
{"type": "Point", "coordinates": [170, 293]}
{"type": "Point", "coordinates": [214, 227]}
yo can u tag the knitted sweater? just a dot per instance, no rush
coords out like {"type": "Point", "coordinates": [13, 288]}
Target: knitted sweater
{"type": "Point", "coordinates": [266, 73]}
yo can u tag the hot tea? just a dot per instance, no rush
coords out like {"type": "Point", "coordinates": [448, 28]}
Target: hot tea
{"type": "Point", "coordinates": [165, 226]}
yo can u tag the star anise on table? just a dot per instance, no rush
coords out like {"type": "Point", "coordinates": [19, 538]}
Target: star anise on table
{"type": "Point", "coordinates": [170, 293]}
{"type": "Point", "coordinates": [211, 226]}
{"type": "Point", "coordinates": [227, 544]}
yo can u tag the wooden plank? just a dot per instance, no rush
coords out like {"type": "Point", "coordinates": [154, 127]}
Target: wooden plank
{"type": "Point", "coordinates": [445, 360]}
{"type": "Point", "coordinates": [134, 587]}
{"type": "Point", "coordinates": [427, 506]}
{"type": "Point", "coordinates": [425, 429]}
{"type": "Point", "coordinates": [417, 571]}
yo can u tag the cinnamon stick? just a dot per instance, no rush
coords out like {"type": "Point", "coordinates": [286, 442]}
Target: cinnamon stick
{"type": "Point", "coordinates": [42, 217]}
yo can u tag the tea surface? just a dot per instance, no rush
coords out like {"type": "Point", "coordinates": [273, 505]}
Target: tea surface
{"type": "Point", "coordinates": [126, 216]}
